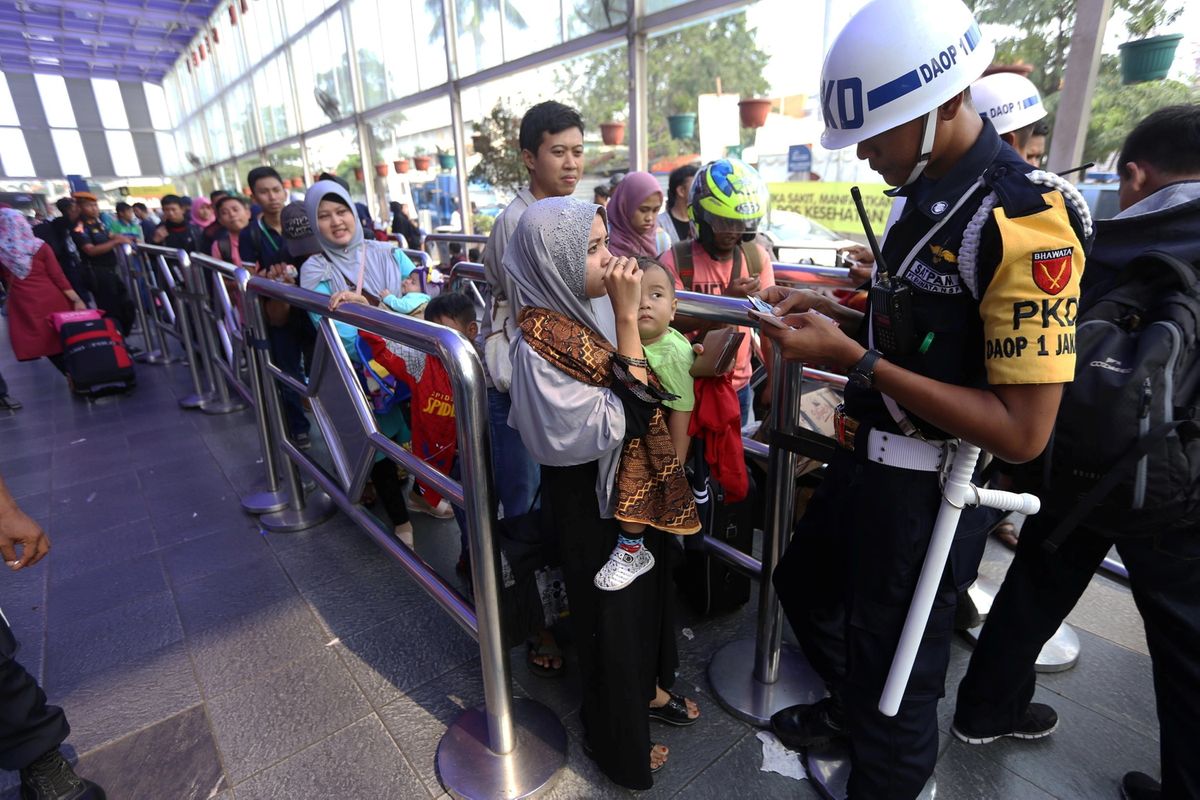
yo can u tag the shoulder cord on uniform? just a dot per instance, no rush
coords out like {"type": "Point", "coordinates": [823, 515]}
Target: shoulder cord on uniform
{"type": "Point", "coordinates": [969, 251]}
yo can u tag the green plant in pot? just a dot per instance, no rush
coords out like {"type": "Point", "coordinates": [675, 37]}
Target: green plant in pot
{"type": "Point", "coordinates": [445, 159]}
{"type": "Point", "coordinates": [682, 123]}
{"type": "Point", "coordinates": [1149, 58]}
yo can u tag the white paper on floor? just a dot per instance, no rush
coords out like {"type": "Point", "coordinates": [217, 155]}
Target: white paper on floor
{"type": "Point", "coordinates": [777, 758]}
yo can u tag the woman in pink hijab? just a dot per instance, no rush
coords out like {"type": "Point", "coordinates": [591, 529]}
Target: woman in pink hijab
{"type": "Point", "coordinates": [633, 216]}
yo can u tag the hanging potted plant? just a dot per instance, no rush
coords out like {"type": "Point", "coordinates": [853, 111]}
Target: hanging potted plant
{"type": "Point", "coordinates": [421, 160]}
{"type": "Point", "coordinates": [358, 174]}
{"type": "Point", "coordinates": [682, 123]}
{"type": "Point", "coordinates": [381, 169]}
{"type": "Point", "coordinates": [1149, 58]}
{"type": "Point", "coordinates": [613, 133]}
{"type": "Point", "coordinates": [754, 111]}
{"type": "Point", "coordinates": [401, 164]}
{"type": "Point", "coordinates": [446, 160]}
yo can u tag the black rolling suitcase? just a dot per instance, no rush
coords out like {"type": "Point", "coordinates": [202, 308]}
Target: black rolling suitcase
{"type": "Point", "coordinates": [96, 359]}
{"type": "Point", "coordinates": [707, 583]}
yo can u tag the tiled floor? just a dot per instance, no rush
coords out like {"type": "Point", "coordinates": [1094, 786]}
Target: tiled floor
{"type": "Point", "coordinates": [199, 657]}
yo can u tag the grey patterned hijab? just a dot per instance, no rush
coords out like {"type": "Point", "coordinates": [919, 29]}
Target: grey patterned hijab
{"type": "Point", "coordinates": [546, 259]}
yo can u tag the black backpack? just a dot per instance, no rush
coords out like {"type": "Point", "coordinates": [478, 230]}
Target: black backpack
{"type": "Point", "coordinates": [1124, 459]}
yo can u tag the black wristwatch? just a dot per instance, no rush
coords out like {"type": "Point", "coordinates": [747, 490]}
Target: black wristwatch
{"type": "Point", "coordinates": [863, 373]}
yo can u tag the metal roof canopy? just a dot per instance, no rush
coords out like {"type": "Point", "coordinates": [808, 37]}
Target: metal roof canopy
{"type": "Point", "coordinates": [133, 40]}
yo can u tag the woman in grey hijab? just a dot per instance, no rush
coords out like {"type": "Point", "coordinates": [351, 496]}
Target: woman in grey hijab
{"type": "Point", "coordinates": [334, 271]}
{"type": "Point", "coordinates": [566, 280]}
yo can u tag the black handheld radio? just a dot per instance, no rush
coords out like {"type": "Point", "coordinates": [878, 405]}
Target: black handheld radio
{"type": "Point", "coordinates": [891, 300]}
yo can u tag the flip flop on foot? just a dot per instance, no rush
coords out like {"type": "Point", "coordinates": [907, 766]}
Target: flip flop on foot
{"type": "Point", "coordinates": [544, 657]}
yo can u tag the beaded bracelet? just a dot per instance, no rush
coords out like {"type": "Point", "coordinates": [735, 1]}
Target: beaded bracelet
{"type": "Point", "coordinates": [630, 361]}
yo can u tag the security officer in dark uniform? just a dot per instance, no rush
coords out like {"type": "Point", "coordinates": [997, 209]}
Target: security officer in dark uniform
{"type": "Point", "coordinates": [96, 244]}
{"type": "Point", "coordinates": [968, 335]}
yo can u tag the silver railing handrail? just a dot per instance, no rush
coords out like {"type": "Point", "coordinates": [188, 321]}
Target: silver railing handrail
{"type": "Point", "coordinates": [463, 238]}
{"type": "Point", "coordinates": [462, 364]}
{"type": "Point", "coordinates": [815, 276]}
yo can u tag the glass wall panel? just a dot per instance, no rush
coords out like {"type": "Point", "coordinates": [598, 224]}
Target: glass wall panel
{"type": "Point", "coordinates": [8, 111]}
{"type": "Point", "coordinates": [322, 74]}
{"type": "Point", "coordinates": [289, 164]}
{"type": "Point", "coordinates": [160, 113]}
{"type": "Point", "coordinates": [231, 60]}
{"type": "Point", "coordinates": [274, 96]}
{"type": "Point", "coordinates": [206, 79]}
{"type": "Point", "coordinates": [55, 100]}
{"type": "Point", "coordinates": [478, 46]}
{"type": "Point", "coordinates": [428, 41]}
{"type": "Point", "coordinates": [69, 147]}
{"type": "Point", "coordinates": [168, 152]}
{"type": "Point", "coordinates": [218, 136]}
{"type": "Point", "coordinates": [110, 103]}
{"type": "Point", "coordinates": [588, 16]}
{"type": "Point", "coordinates": [530, 26]}
{"type": "Point", "coordinates": [124, 156]}
{"type": "Point", "coordinates": [262, 28]}
{"type": "Point", "coordinates": [387, 61]}
{"type": "Point", "coordinates": [337, 152]}
{"type": "Point", "coordinates": [239, 109]}
{"type": "Point", "coordinates": [302, 12]}
{"type": "Point", "coordinates": [244, 165]}
{"type": "Point", "coordinates": [194, 147]}
{"type": "Point", "coordinates": [410, 132]}
{"type": "Point", "coordinates": [14, 153]}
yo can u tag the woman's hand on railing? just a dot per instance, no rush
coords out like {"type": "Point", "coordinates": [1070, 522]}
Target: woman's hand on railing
{"type": "Point", "coordinates": [346, 297]}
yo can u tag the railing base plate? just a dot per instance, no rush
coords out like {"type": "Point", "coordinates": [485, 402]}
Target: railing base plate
{"type": "Point", "coordinates": [318, 507]}
{"type": "Point", "coordinates": [731, 674]}
{"type": "Point", "coordinates": [263, 501]}
{"type": "Point", "coordinates": [223, 407]}
{"type": "Point", "coordinates": [195, 400]}
{"type": "Point", "coordinates": [469, 769]}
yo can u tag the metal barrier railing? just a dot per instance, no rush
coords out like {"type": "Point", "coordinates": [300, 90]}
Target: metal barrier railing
{"type": "Point", "coordinates": [482, 754]}
{"type": "Point", "coordinates": [140, 286]}
{"type": "Point", "coordinates": [809, 276]}
{"type": "Point", "coordinates": [755, 678]}
{"type": "Point", "coordinates": [160, 264]}
{"type": "Point", "coordinates": [198, 297]}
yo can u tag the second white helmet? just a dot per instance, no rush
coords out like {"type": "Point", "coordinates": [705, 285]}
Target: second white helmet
{"type": "Point", "coordinates": [1010, 101]}
{"type": "Point", "coordinates": [895, 61]}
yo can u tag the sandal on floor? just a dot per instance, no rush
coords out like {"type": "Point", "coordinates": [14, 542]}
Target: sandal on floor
{"type": "Point", "coordinates": [535, 648]}
{"type": "Point", "coordinates": [587, 751]}
{"type": "Point", "coordinates": [673, 712]}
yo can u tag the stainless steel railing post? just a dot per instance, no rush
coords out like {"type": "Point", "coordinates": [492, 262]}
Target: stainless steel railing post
{"type": "Point", "coordinates": [300, 512]}
{"type": "Point", "coordinates": [146, 270]}
{"type": "Point", "coordinates": [781, 504]}
{"type": "Point", "coordinates": [199, 397]}
{"type": "Point", "coordinates": [197, 294]}
{"type": "Point", "coordinates": [133, 283]}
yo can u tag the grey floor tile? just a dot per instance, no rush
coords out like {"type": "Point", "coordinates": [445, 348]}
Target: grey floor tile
{"type": "Point", "coordinates": [418, 719]}
{"type": "Point", "coordinates": [184, 465]}
{"type": "Point", "coordinates": [74, 596]}
{"type": "Point", "coordinates": [351, 603]}
{"type": "Point", "coordinates": [327, 554]}
{"type": "Point", "coordinates": [84, 549]}
{"type": "Point", "coordinates": [230, 655]}
{"type": "Point", "coordinates": [360, 761]}
{"type": "Point", "coordinates": [232, 595]}
{"type": "Point", "coordinates": [396, 656]}
{"type": "Point", "coordinates": [105, 706]}
{"type": "Point", "coordinates": [170, 500]}
{"type": "Point", "coordinates": [739, 773]}
{"type": "Point", "coordinates": [175, 758]}
{"type": "Point", "coordinates": [964, 772]}
{"type": "Point", "coordinates": [117, 636]}
{"type": "Point", "coordinates": [282, 712]}
{"type": "Point", "coordinates": [186, 525]}
{"type": "Point", "coordinates": [14, 461]}
{"type": "Point", "coordinates": [200, 558]}
{"type": "Point", "coordinates": [22, 485]}
{"type": "Point", "coordinates": [1107, 609]}
{"type": "Point", "coordinates": [1084, 759]}
{"type": "Point", "coordinates": [1111, 680]}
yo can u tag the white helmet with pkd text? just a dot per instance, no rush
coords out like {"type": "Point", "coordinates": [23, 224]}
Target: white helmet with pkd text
{"type": "Point", "coordinates": [896, 61]}
{"type": "Point", "coordinates": [1010, 101]}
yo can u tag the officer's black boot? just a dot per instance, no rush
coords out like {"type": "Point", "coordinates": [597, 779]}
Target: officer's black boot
{"type": "Point", "coordinates": [813, 725]}
{"type": "Point", "coordinates": [1140, 786]}
{"type": "Point", "coordinates": [51, 778]}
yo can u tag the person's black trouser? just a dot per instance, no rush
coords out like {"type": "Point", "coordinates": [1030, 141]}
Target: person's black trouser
{"type": "Point", "coordinates": [390, 490]}
{"type": "Point", "coordinates": [1039, 591]}
{"type": "Point", "coordinates": [288, 347]}
{"type": "Point", "coordinates": [845, 584]}
{"type": "Point", "coordinates": [28, 727]}
{"type": "Point", "coordinates": [112, 297]}
{"type": "Point", "coordinates": [3, 386]}
{"type": "Point", "coordinates": [77, 277]}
